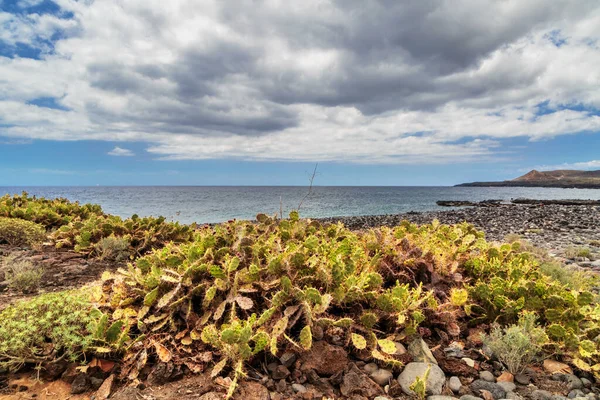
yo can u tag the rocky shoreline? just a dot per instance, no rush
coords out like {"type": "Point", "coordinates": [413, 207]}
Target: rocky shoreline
{"type": "Point", "coordinates": [560, 229]}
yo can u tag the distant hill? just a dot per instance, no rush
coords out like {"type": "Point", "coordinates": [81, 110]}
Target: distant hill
{"type": "Point", "coordinates": [563, 178]}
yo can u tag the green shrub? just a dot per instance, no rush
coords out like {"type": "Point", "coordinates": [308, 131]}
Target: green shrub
{"type": "Point", "coordinates": [573, 252]}
{"type": "Point", "coordinates": [50, 213]}
{"type": "Point", "coordinates": [22, 275]}
{"type": "Point", "coordinates": [45, 328]}
{"type": "Point", "coordinates": [17, 232]}
{"type": "Point", "coordinates": [517, 345]}
{"type": "Point", "coordinates": [571, 278]}
{"type": "Point", "coordinates": [142, 234]}
{"type": "Point", "coordinates": [113, 248]}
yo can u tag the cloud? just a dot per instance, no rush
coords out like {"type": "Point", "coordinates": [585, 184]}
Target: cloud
{"type": "Point", "coordinates": [120, 152]}
{"type": "Point", "coordinates": [585, 165]}
{"type": "Point", "coordinates": [416, 82]}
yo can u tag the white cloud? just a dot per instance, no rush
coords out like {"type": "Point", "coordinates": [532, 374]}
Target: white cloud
{"type": "Point", "coordinates": [120, 152]}
{"type": "Point", "coordinates": [417, 82]}
{"type": "Point", "coordinates": [585, 165]}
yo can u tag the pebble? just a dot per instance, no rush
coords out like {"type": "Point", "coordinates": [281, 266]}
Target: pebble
{"type": "Point", "coordinates": [439, 397]}
{"type": "Point", "coordinates": [420, 352]}
{"type": "Point", "coordinates": [541, 395]}
{"type": "Point", "coordinates": [507, 386]}
{"type": "Point", "coordinates": [513, 396]}
{"type": "Point", "coordinates": [586, 382]}
{"type": "Point", "coordinates": [575, 393]}
{"type": "Point", "coordinates": [370, 368]}
{"type": "Point", "coordinates": [487, 376]}
{"type": "Point", "coordinates": [435, 380]}
{"type": "Point", "coordinates": [491, 387]}
{"type": "Point", "coordinates": [469, 361]}
{"type": "Point", "coordinates": [382, 376]}
{"type": "Point", "coordinates": [454, 384]}
{"type": "Point", "coordinates": [469, 397]}
{"type": "Point", "coordinates": [298, 388]}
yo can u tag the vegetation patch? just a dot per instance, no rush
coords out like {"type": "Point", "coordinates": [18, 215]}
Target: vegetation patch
{"type": "Point", "coordinates": [21, 275]}
{"type": "Point", "coordinates": [45, 328]}
{"type": "Point", "coordinates": [17, 232]}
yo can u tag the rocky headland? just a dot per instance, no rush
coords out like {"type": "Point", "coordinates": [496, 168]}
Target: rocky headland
{"type": "Point", "coordinates": [558, 178]}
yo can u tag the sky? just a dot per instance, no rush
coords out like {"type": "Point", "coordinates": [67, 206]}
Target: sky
{"type": "Point", "coordinates": [256, 92]}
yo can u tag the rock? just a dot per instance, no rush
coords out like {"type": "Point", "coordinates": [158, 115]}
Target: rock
{"type": "Point", "coordinates": [95, 383]}
{"type": "Point", "coordinates": [161, 373]}
{"type": "Point", "coordinates": [575, 393]}
{"type": "Point", "coordinates": [554, 367]}
{"type": "Point", "coordinates": [469, 361]}
{"type": "Point", "coordinates": [523, 379]}
{"type": "Point", "coordinates": [400, 349]}
{"type": "Point", "coordinates": [454, 384]}
{"type": "Point", "coordinates": [105, 389]}
{"type": "Point", "coordinates": [52, 370]}
{"type": "Point", "coordinates": [420, 352]}
{"type": "Point", "coordinates": [288, 359]}
{"type": "Point", "coordinates": [573, 382]}
{"type": "Point", "coordinates": [487, 376]}
{"type": "Point", "coordinates": [382, 376]}
{"type": "Point", "coordinates": [496, 390]}
{"type": "Point", "coordinates": [80, 384]}
{"type": "Point", "coordinates": [281, 372]}
{"type": "Point", "coordinates": [513, 396]}
{"type": "Point", "coordinates": [325, 359]}
{"type": "Point", "coordinates": [298, 388]}
{"type": "Point", "coordinates": [381, 398]}
{"type": "Point", "coordinates": [541, 395]}
{"type": "Point", "coordinates": [358, 383]}
{"type": "Point", "coordinates": [507, 386]}
{"type": "Point", "coordinates": [586, 382]}
{"type": "Point", "coordinates": [438, 397]}
{"type": "Point", "coordinates": [370, 368]}
{"type": "Point", "coordinates": [506, 377]}
{"type": "Point", "coordinates": [435, 380]}
{"type": "Point", "coordinates": [469, 397]}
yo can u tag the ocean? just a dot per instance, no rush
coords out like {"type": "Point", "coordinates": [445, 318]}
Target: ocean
{"type": "Point", "coordinates": [204, 204]}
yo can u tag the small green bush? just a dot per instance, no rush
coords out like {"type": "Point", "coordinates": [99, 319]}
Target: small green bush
{"type": "Point", "coordinates": [17, 232]}
{"type": "Point", "coordinates": [113, 248]}
{"type": "Point", "coordinates": [45, 328]}
{"type": "Point", "coordinates": [573, 279]}
{"type": "Point", "coordinates": [517, 345]}
{"type": "Point", "coordinates": [22, 275]}
{"type": "Point", "coordinates": [573, 252]}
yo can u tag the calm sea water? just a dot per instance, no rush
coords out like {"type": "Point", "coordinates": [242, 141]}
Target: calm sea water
{"type": "Point", "coordinates": [220, 203]}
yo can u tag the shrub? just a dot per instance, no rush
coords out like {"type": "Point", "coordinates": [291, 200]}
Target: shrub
{"type": "Point", "coordinates": [571, 278]}
{"type": "Point", "coordinates": [573, 252]}
{"type": "Point", "coordinates": [50, 213]}
{"type": "Point", "coordinates": [143, 234]}
{"type": "Point", "coordinates": [16, 232]}
{"type": "Point", "coordinates": [113, 248]}
{"type": "Point", "coordinates": [22, 275]}
{"type": "Point", "coordinates": [45, 328]}
{"type": "Point", "coordinates": [517, 345]}
{"type": "Point", "coordinates": [513, 237]}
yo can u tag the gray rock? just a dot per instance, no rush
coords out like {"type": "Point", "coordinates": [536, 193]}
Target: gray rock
{"type": "Point", "coordinates": [288, 358]}
{"type": "Point", "coordinates": [420, 352]}
{"type": "Point", "coordinates": [523, 379]}
{"type": "Point", "coordinates": [381, 398]}
{"type": "Point", "coordinates": [496, 390]}
{"type": "Point", "coordinates": [586, 382]}
{"type": "Point", "coordinates": [281, 372]}
{"type": "Point", "coordinates": [513, 396]}
{"type": "Point", "coordinates": [507, 386]}
{"type": "Point", "coordinates": [435, 380]}
{"type": "Point", "coordinates": [370, 368]}
{"type": "Point", "coordinates": [541, 395]}
{"type": "Point", "coordinates": [298, 388]}
{"type": "Point", "coordinates": [382, 376]}
{"type": "Point", "coordinates": [441, 398]}
{"type": "Point", "coordinates": [575, 393]}
{"type": "Point", "coordinates": [469, 397]}
{"type": "Point", "coordinates": [80, 384]}
{"type": "Point", "coordinates": [400, 349]}
{"type": "Point", "coordinates": [454, 384]}
{"type": "Point", "coordinates": [487, 376]}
